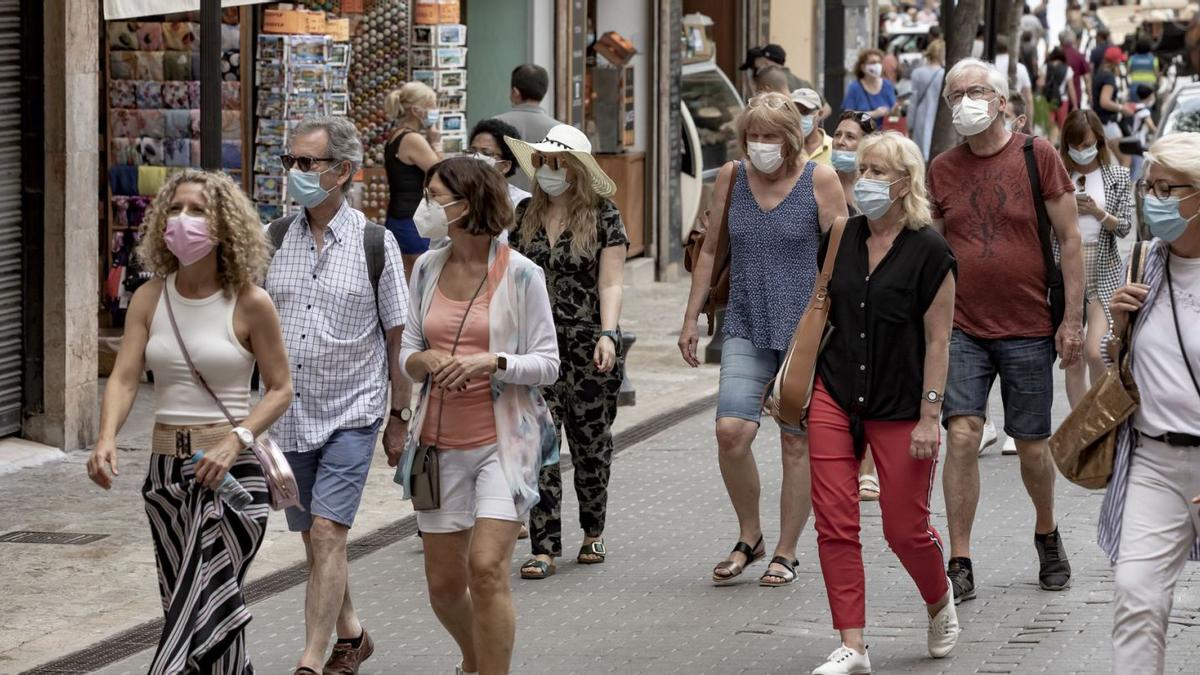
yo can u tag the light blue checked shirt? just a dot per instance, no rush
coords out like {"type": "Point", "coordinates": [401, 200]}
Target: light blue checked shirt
{"type": "Point", "coordinates": [332, 328]}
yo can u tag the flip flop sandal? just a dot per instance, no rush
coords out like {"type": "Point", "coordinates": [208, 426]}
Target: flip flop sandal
{"type": "Point", "coordinates": [788, 575]}
{"type": "Point", "coordinates": [735, 570]}
{"type": "Point", "coordinates": [868, 488]}
{"type": "Point", "coordinates": [544, 569]}
{"type": "Point", "coordinates": [596, 548]}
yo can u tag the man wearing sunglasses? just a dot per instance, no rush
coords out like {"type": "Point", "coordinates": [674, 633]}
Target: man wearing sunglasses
{"type": "Point", "coordinates": [338, 283]}
{"type": "Point", "coordinates": [983, 202]}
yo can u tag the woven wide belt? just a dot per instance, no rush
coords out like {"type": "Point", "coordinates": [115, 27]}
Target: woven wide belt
{"type": "Point", "coordinates": [184, 441]}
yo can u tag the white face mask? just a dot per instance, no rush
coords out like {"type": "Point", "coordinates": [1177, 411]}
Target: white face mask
{"type": "Point", "coordinates": [486, 159]}
{"type": "Point", "coordinates": [972, 117]}
{"type": "Point", "coordinates": [766, 157]}
{"type": "Point", "coordinates": [430, 219]}
{"type": "Point", "coordinates": [874, 69]}
{"type": "Point", "coordinates": [552, 181]}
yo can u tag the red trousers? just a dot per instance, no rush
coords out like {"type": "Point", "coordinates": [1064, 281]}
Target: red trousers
{"type": "Point", "coordinates": [905, 484]}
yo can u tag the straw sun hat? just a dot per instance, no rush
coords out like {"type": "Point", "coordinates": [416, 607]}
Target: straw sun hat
{"type": "Point", "coordinates": [568, 139]}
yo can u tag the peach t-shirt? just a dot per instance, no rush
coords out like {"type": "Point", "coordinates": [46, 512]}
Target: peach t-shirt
{"type": "Point", "coordinates": [469, 420]}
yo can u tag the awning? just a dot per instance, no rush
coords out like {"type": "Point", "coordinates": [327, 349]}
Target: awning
{"type": "Point", "coordinates": [131, 9]}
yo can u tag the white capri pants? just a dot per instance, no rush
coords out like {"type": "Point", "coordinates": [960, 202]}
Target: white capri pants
{"type": "Point", "coordinates": [1159, 528]}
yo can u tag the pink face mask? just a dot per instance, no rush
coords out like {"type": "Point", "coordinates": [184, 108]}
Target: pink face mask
{"type": "Point", "coordinates": [187, 238]}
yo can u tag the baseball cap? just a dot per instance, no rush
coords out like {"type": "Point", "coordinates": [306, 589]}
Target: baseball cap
{"type": "Point", "coordinates": [807, 98]}
{"type": "Point", "coordinates": [772, 52]}
{"type": "Point", "coordinates": [1114, 55]}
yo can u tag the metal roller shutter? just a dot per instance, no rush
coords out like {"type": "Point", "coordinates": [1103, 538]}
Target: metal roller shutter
{"type": "Point", "coordinates": [10, 217]}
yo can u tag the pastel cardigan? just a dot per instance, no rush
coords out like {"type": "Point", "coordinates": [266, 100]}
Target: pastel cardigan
{"type": "Point", "coordinates": [521, 328]}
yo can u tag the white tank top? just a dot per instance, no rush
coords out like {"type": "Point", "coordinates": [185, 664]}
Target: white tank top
{"type": "Point", "coordinates": [207, 328]}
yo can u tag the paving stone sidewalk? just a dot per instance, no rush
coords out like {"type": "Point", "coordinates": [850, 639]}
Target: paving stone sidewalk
{"type": "Point", "coordinates": [650, 608]}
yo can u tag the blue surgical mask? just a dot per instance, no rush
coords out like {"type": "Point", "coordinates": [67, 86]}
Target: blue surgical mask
{"type": "Point", "coordinates": [1163, 218]}
{"type": "Point", "coordinates": [874, 197]}
{"type": "Point", "coordinates": [807, 122]}
{"type": "Point", "coordinates": [1083, 156]}
{"type": "Point", "coordinates": [305, 187]}
{"type": "Point", "coordinates": [431, 118]}
{"type": "Point", "coordinates": [844, 161]}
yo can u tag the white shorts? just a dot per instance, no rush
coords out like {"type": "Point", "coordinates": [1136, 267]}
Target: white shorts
{"type": "Point", "coordinates": [1112, 130]}
{"type": "Point", "coordinates": [473, 486]}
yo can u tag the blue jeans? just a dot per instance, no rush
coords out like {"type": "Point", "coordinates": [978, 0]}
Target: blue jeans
{"type": "Point", "coordinates": [331, 479]}
{"type": "Point", "coordinates": [745, 372]}
{"type": "Point", "coordinates": [1026, 370]}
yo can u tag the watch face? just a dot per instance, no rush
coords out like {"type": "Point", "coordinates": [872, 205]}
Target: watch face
{"type": "Point", "coordinates": [406, 415]}
{"type": "Point", "coordinates": [932, 397]}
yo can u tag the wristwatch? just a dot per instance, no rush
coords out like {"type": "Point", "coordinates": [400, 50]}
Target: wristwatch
{"type": "Point", "coordinates": [402, 414]}
{"type": "Point", "coordinates": [501, 363]}
{"type": "Point", "coordinates": [933, 396]}
{"type": "Point", "coordinates": [244, 435]}
{"type": "Point", "coordinates": [614, 335]}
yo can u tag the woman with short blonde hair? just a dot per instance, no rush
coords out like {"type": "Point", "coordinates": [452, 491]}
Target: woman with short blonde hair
{"type": "Point", "coordinates": [410, 152]}
{"type": "Point", "coordinates": [204, 242]}
{"type": "Point", "coordinates": [779, 204]}
{"type": "Point", "coordinates": [879, 382]}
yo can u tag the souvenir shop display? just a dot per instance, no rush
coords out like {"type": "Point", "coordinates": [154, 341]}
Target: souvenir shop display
{"type": "Point", "coordinates": [381, 66]}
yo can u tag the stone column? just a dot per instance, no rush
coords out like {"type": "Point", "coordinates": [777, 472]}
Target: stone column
{"type": "Point", "coordinates": [72, 39]}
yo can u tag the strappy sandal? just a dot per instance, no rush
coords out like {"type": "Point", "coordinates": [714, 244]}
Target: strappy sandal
{"type": "Point", "coordinates": [543, 569]}
{"type": "Point", "coordinates": [788, 575]}
{"type": "Point", "coordinates": [868, 488]}
{"type": "Point", "coordinates": [596, 548]}
{"type": "Point", "coordinates": [735, 570]}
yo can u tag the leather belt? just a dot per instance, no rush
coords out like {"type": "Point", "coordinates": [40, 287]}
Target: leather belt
{"type": "Point", "coordinates": [1175, 439]}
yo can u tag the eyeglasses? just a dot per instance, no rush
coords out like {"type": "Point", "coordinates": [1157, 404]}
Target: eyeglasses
{"type": "Point", "coordinates": [485, 153]}
{"type": "Point", "coordinates": [863, 119]}
{"type": "Point", "coordinates": [431, 197]}
{"type": "Point", "coordinates": [772, 101]}
{"type": "Point", "coordinates": [1161, 188]}
{"type": "Point", "coordinates": [553, 160]}
{"type": "Point", "coordinates": [303, 163]}
{"type": "Point", "coordinates": [976, 93]}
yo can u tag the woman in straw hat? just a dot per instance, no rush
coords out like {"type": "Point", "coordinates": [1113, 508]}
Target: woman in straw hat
{"type": "Point", "coordinates": [575, 233]}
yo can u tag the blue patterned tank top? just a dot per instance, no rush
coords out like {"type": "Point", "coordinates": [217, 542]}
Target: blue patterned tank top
{"type": "Point", "coordinates": [774, 262]}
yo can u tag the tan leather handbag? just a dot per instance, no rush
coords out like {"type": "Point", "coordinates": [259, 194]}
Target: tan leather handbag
{"type": "Point", "coordinates": [1085, 444]}
{"type": "Point", "coordinates": [788, 395]}
{"type": "Point", "coordinates": [718, 283]}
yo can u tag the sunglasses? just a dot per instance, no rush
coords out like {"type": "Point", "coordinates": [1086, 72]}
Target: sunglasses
{"type": "Point", "coordinates": [863, 120]}
{"type": "Point", "coordinates": [555, 161]}
{"type": "Point", "coordinates": [303, 163]}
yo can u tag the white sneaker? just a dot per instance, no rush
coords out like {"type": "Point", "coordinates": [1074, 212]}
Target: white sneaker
{"type": "Point", "coordinates": [1010, 447]}
{"type": "Point", "coordinates": [989, 436]}
{"type": "Point", "coordinates": [845, 661]}
{"type": "Point", "coordinates": [943, 630]}
{"type": "Point", "coordinates": [459, 671]}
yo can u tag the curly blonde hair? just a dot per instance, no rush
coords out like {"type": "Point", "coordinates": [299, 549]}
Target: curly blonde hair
{"type": "Point", "coordinates": [242, 249]}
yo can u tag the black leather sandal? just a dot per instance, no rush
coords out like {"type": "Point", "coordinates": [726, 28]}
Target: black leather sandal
{"type": "Point", "coordinates": [537, 569]}
{"type": "Point", "coordinates": [732, 569]}
{"type": "Point", "coordinates": [788, 575]}
{"type": "Point", "coordinates": [596, 549]}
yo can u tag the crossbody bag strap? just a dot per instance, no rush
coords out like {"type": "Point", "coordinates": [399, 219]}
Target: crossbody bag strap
{"type": "Point", "coordinates": [437, 438]}
{"type": "Point", "coordinates": [1045, 235]}
{"type": "Point", "coordinates": [1179, 334]}
{"type": "Point", "coordinates": [187, 357]}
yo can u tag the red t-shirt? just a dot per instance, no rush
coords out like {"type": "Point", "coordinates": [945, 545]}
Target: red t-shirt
{"type": "Point", "coordinates": [986, 204]}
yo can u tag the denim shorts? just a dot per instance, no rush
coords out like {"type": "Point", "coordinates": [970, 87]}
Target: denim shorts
{"type": "Point", "coordinates": [405, 231]}
{"type": "Point", "coordinates": [331, 479]}
{"type": "Point", "coordinates": [745, 372]}
{"type": "Point", "coordinates": [1026, 370]}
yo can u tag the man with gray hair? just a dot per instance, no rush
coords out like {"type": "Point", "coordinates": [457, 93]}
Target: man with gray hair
{"type": "Point", "coordinates": [1081, 70]}
{"type": "Point", "coordinates": [338, 282]}
{"type": "Point", "coordinates": [983, 201]}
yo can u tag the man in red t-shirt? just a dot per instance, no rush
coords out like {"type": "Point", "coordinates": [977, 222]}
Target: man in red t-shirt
{"type": "Point", "coordinates": [983, 203]}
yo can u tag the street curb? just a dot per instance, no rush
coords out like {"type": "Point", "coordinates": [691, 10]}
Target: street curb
{"type": "Point", "coordinates": [145, 635]}
{"type": "Point", "coordinates": [19, 453]}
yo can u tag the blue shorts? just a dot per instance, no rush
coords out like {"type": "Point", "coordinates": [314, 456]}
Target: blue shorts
{"type": "Point", "coordinates": [1026, 370]}
{"type": "Point", "coordinates": [745, 372]}
{"type": "Point", "coordinates": [331, 479]}
{"type": "Point", "coordinates": [405, 232]}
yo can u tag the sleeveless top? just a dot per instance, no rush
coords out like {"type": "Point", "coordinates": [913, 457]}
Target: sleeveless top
{"type": "Point", "coordinates": [469, 423]}
{"type": "Point", "coordinates": [406, 182]}
{"type": "Point", "coordinates": [206, 325]}
{"type": "Point", "coordinates": [773, 262]}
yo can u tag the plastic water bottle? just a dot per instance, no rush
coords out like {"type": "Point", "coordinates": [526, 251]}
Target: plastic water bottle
{"type": "Point", "coordinates": [230, 491]}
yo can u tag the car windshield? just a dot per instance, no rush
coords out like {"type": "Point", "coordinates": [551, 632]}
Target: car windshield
{"type": "Point", "coordinates": [714, 107]}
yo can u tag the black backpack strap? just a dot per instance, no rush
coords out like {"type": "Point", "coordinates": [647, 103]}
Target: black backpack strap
{"type": "Point", "coordinates": [1044, 231]}
{"type": "Point", "coordinates": [373, 248]}
{"type": "Point", "coordinates": [278, 229]}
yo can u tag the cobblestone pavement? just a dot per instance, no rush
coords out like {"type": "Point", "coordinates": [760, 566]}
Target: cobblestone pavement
{"type": "Point", "coordinates": [650, 608]}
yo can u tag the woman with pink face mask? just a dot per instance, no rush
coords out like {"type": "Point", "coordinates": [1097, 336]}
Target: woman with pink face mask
{"type": "Point", "coordinates": [206, 497]}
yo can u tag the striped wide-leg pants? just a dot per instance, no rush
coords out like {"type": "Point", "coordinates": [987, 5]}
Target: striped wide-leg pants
{"type": "Point", "coordinates": [203, 550]}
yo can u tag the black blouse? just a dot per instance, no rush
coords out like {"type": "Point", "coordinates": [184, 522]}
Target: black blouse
{"type": "Point", "coordinates": [874, 362]}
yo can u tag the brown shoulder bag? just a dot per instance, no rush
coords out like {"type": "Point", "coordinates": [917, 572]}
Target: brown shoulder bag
{"type": "Point", "coordinates": [1085, 443]}
{"type": "Point", "coordinates": [787, 396]}
{"type": "Point", "coordinates": [718, 285]}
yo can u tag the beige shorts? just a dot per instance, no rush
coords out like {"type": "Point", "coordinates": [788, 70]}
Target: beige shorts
{"type": "Point", "coordinates": [473, 487]}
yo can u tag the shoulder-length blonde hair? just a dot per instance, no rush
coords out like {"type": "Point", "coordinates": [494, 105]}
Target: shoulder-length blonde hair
{"type": "Point", "coordinates": [242, 249]}
{"type": "Point", "coordinates": [903, 156]}
{"type": "Point", "coordinates": [583, 210]}
{"type": "Point", "coordinates": [774, 113]}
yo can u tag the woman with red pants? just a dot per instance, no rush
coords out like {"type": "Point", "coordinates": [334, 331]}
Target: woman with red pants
{"type": "Point", "coordinates": [879, 382]}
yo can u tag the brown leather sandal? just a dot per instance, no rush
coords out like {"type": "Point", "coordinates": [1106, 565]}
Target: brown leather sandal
{"type": "Point", "coordinates": [731, 569]}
